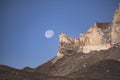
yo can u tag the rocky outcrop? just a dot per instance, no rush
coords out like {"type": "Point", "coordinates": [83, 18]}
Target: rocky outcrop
{"type": "Point", "coordinates": [101, 36]}
{"type": "Point", "coordinates": [116, 26]}
{"type": "Point", "coordinates": [97, 38]}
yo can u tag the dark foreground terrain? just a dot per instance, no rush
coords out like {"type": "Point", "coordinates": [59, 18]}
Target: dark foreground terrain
{"type": "Point", "coordinates": [103, 70]}
{"type": "Point", "coordinates": [8, 73]}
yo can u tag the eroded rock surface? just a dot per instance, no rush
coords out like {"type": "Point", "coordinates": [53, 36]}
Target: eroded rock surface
{"type": "Point", "coordinates": [101, 36]}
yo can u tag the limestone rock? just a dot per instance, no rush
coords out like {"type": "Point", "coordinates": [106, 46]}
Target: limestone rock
{"type": "Point", "coordinates": [65, 39]}
{"type": "Point", "coordinates": [101, 36]}
{"type": "Point", "coordinates": [97, 38]}
{"type": "Point", "coordinates": [116, 26]}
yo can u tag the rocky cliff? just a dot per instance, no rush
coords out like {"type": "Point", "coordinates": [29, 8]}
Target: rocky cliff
{"type": "Point", "coordinates": [97, 38]}
{"type": "Point", "coordinates": [116, 26]}
{"type": "Point", "coordinates": [101, 36]}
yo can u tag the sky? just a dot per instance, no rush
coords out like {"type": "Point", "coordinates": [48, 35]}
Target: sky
{"type": "Point", "coordinates": [23, 24]}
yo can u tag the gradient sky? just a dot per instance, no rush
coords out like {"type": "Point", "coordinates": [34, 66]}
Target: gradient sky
{"type": "Point", "coordinates": [23, 24]}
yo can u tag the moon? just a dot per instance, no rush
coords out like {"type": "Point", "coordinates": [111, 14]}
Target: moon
{"type": "Point", "coordinates": [49, 34]}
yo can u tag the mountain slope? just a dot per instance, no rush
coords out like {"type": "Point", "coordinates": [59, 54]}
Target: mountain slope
{"type": "Point", "coordinates": [78, 61]}
{"type": "Point", "coordinates": [103, 70]}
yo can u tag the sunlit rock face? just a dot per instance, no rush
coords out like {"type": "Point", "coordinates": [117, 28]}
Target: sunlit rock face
{"type": "Point", "coordinates": [116, 26]}
{"type": "Point", "coordinates": [99, 37]}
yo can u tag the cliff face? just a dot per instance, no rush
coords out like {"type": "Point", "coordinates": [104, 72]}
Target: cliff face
{"type": "Point", "coordinates": [99, 37]}
{"type": "Point", "coordinates": [116, 26]}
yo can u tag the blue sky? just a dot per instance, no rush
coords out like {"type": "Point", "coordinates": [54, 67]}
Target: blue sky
{"type": "Point", "coordinates": [23, 24]}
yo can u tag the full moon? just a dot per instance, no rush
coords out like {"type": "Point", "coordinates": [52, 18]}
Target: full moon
{"type": "Point", "coordinates": [49, 33]}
